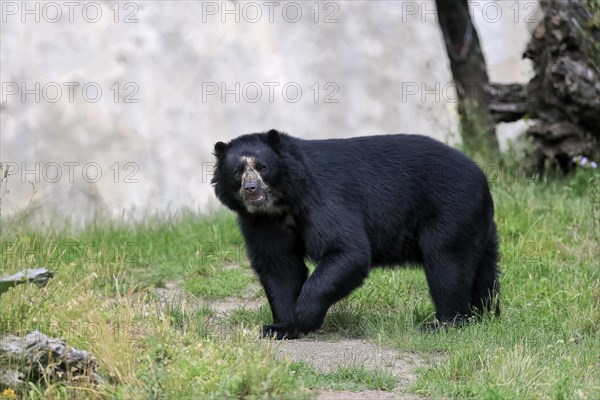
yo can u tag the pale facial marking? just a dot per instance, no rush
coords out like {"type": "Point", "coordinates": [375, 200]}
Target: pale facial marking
{"type": "Point", "coordinates": [249, 160]}
{"type": "Point", "coordinates": [251, 172]}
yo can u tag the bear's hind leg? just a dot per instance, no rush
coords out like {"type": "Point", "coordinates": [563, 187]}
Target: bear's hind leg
{"type": "Point", "coordinates": [450, 277]}
{"type": "Point", "coordinates": [484, 297]}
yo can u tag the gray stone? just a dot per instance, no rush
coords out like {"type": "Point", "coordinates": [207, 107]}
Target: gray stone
{"type": "Point", "coordinates": [39, 357]}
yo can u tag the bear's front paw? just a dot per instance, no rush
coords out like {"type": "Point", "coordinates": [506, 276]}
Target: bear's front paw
{"type": "Point", "coordinates": [309, 317]}
{"type": "Point", "coordinates": [443, 324]}
{"type": "Point", "coordinates": [280, 330]}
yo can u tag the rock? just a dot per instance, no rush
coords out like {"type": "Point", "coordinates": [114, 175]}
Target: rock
{"type": "Point", "coordinates": [37, 357]}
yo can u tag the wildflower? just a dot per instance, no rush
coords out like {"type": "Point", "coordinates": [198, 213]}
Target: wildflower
{"type": "Point", "coordinates": [584, 162]}
{"type": "Point", "coordinates": [8, 394]}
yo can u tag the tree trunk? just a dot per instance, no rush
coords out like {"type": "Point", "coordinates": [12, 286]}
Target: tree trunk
{"type": "Point", "coordinates": [470, 76]}
{"type": "Point", "coordinates": [564, 95]}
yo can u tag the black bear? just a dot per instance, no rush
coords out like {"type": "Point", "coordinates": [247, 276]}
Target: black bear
{"type": "Point", "coordinates": [353, 204]}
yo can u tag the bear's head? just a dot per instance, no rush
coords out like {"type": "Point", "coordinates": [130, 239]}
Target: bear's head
{"type": "Point", "coordinates": [248, 173]}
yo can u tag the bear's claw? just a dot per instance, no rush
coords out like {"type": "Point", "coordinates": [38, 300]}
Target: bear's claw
{"type": "Point", "coordinates": [280, 331]}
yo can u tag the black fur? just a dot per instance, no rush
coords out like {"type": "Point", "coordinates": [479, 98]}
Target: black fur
{"type": "Point", "coordinates": [354, 204]}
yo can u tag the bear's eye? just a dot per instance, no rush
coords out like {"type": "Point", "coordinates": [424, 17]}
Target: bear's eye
{"type": "Point", "coordinates": [238, 172]}
{"type": "Point", "coordinates": [261, 168]}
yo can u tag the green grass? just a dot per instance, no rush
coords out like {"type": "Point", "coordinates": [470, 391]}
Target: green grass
{"type": "Point", "coordinates": [545, 346]}
{"type": "Point", "coordinates": [345, 378]}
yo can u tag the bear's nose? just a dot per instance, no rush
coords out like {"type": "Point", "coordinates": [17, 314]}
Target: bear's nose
{"type": "Point", "coordinates": [250, 187]}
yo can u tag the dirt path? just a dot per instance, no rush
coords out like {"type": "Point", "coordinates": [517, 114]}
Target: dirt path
{"type": "Point", "coordinates": [364, 395]}
{"type": "Point", "coordinates": [324, 355]}
{"type": "Point", "coordinates": [327, 356]}
{"type": "Point", "coordinates": [172, 294]}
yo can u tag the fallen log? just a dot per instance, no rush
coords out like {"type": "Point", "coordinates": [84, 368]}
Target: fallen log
{"type": "Point", "coordinates": [563, 97]}
{"type": "Point", "coordinates": [39, 358]}
{"type": "Point", "coordinates": [508, 102]}
{"type": "Point", "coordinates": [38, 276]}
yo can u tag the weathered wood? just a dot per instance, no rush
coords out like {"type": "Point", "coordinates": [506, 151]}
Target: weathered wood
{"type": "Point", "coordinates": [563, 97]}
{"type": "Point", "coordinates": [38, 276]}
{"type": "Point", "coordinates": [508, 102]}
{"type": "Point", "coordinates": [37, 357]}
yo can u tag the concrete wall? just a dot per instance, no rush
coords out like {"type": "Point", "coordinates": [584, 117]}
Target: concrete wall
{"type": "Point", "coordinates": [363, 67]}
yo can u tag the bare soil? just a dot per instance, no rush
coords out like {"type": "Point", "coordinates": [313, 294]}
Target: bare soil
{"type": "Point", "coordinates": [364, 395]}
{"type": "Point", "coordinates": [327, 356]}
{"type": "Point", "coordinates": [324, 355]}
{"type": "Point", "coordinates": [172, 294]}
{"type": "Point", "coordinates": [226, 306]}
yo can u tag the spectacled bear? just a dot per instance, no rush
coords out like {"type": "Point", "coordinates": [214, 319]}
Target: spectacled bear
{"type": "Point", "coordinates": [353, 204]}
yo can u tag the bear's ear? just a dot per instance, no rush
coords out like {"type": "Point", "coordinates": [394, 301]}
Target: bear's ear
{"type": "Point", "coordinates": [273, 137]}
{"type": "Point", "coordinates": [220, 148]}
